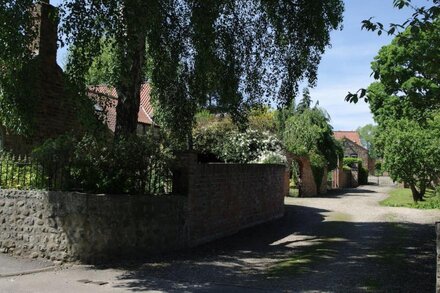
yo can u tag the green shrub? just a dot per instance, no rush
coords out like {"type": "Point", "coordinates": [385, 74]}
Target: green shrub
{"type": "Point", "coordinates": [133, 165]}
{"type": "Point", "coordinates": [363, 175]}
{"type": "Point", "coordinates": [350, 163]}
{"type": "Point", "coordinates": [228, 144]}
{"type": "Point", "coordinates": [17, 172]}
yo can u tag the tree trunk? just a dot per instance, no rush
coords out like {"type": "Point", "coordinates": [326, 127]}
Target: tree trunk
{"type": "Point", "coordinates": [422, 192]}
{"type": "Point", "coordinates": [128, 87]}
{"type": "Point", "coordinates": [417, 196]}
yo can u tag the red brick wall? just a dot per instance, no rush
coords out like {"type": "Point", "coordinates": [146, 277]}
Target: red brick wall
{"type": "Point", "coordinates": [342, 178]}
{"type": "Point", "coordinates": [307, 186]}
{"type": "Point", "coordinates": [225, 198]}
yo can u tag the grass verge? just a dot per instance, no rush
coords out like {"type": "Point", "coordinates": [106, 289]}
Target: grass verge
{"type": "Point", "coordinates": [402, 197]}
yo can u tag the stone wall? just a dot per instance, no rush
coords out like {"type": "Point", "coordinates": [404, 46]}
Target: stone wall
{"type": "Point", "coordinates": [371, 166]}
{"type": "Point", "coordinates": [225, 198]}
{"type": "Point", "coordinates": [354, 178]}
{"type": "Point", "coordinates": [352, 149]}
{"type": "Point", "coordinates": [219, 200]}
{"type": "Point", "coordinates": [89, 228]}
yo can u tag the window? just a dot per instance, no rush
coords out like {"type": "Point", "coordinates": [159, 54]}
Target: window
{"type": "Point", "coordinates": [142, 129]}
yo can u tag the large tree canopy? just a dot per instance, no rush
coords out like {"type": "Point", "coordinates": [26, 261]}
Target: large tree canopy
{"type": "Point", "coordinates": [408, 68]}
{"type": "Point", "coordinates": [230, 54]}
{"type": "Point", "coordinates": [405, 99]}
{"type": "Point", "coordinates": [16, 35]}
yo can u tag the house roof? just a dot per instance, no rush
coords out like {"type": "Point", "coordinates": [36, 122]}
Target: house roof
{"type": "Point", "coordinates": [107, 99]}
{"type": "Point", "coordinates": [351, 135]}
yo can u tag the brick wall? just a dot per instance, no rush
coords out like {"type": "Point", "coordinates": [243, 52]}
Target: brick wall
{"type": "Point", "coordinates": [225, 198]}
{"type": "Point", "coordinates": [307, 187]}
{"type": "Point", "coordinates": [342, 178]}
{"type": "Point", "coordinates": [55, 111]}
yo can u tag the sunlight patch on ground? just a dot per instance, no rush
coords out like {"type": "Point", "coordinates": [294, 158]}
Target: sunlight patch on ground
{"type": "Point", "coordinates": [338, 217]}
{"type": "Point", "coordinates": [294, 240]}
{"type": "Point", "coordinates": [302, 260]}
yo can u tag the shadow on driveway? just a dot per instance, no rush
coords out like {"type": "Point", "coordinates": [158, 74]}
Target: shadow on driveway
{"type": "Point", "coordinates": [299, 252]}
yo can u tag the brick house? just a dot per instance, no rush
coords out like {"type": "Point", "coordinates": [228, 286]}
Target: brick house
{"type": "Point", "coordinates": [54, 113]}
{"type": "Point", "coordinates": [107, 101]}
{"type": "Point", "coordinates": [351, 143]}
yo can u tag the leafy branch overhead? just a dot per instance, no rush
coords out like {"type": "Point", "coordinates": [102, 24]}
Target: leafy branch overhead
{"type": "Point", "coordinates": [226, 54]}
{"type": "Point", "coordinates": [412, 53]}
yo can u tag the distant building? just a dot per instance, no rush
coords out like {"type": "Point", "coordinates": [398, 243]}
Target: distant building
{"type": "Point", "coordinates": [351, 142]}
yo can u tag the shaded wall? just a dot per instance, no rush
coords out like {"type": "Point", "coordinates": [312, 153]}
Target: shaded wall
{"type": "Point", "coordinates": [72, 226]}
{"type": "Point", "coordinates": [225, 198]}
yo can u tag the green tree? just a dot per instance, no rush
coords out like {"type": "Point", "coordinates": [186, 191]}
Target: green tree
{"type": "Point", "coordinates": [367, 134]}
{"type": "Point", "coordinates": [306, 101]}
{"type": "Point", "coordinates": [16, 35]}
{"type": "Point", "coordinates": [87, 25]}
{"type": "Point", "coordinates": [410, 64]}
{"type": "Point", "coordinates": [228, 54]}
{"type": "Point", "coordinates": [404, 99]}
{"type": "Point", "coordinates": [412, 154]}
{"type": "Point", "coordinates": [309, 133]}
{"type": "Point", "coordinates": [408, 68]}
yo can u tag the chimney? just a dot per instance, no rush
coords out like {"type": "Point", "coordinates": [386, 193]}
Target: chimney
{"type": "Point", "coordinates": [46, 24]}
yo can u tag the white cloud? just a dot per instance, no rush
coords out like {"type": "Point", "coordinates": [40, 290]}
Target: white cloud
{"type": "Point", "coordinates": [344, 115]}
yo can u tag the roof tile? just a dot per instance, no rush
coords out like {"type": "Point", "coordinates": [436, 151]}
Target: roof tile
{"type": "Point", "coordinates": [108, 99]}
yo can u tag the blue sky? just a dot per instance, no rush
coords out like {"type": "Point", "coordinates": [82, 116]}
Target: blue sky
{"type": "Point", "coordinates": [346, 65]}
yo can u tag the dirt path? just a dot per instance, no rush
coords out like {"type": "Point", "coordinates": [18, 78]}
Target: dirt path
{"type": "Point", "coordinates": [343, 242]}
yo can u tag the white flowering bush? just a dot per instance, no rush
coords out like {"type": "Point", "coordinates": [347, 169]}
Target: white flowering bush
{"type": "Point", "coordinates": [233, 146]}
{"type": "Point", "coordinates": [246, 147]}
{"type": "Point", "coordinates": [271, 157]}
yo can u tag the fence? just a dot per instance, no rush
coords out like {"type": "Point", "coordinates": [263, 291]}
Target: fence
{"type": "Point", "coordinates": [60, 174]}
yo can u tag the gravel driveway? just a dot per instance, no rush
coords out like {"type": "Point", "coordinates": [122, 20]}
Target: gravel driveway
{"type": "Point", "coordinates": [341, 242]}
